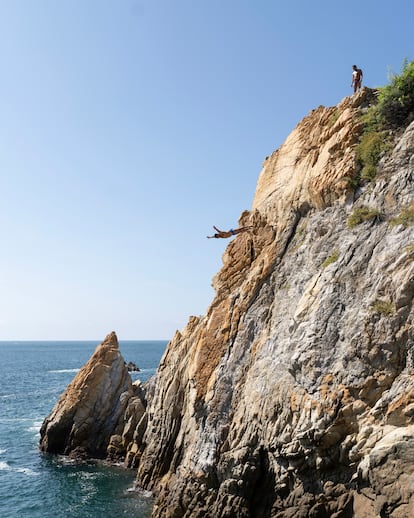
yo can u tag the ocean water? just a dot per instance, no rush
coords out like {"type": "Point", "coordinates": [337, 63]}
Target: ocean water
{"type": "Point", "coordinates": [35, 485]}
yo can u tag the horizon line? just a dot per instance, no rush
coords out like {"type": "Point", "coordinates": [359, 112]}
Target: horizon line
{"type": "Point", "coordinates": [84, 340]}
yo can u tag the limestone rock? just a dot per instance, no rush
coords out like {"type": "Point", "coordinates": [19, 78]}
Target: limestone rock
{"type": "Point", "coordinates": [87, 413]}
{"type": "Point", "coordinates": [294, 395]}
{"type": "Point", "coordinates": [388, 471]}
{"type": "Point", "coordinates": [132, 420]}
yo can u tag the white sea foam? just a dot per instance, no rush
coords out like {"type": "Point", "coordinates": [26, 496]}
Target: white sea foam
{"type": "Point", "coordinates": [36, 427]}
{"type": "Point", "coordinates": [4, 466]}
{"type": "Point", "coordinates": [26, 471]}
{"type": "Point", "coordinates": [14, 419]}
{"type": "Point", "coordinates": [143, 493]}
{"type": "Point", "coordinates": [2, 451]}
{"type": "Point", "coordinates": [141, 371]}
{"type": "Point", "coordinates": [60, 371]}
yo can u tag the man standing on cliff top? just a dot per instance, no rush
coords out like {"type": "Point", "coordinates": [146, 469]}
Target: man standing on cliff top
{"type": "Point", "coordinates": [356, 78]}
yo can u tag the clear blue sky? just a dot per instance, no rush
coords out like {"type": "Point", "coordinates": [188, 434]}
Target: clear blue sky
{"type": "Point", "coordinates": [129, 127]}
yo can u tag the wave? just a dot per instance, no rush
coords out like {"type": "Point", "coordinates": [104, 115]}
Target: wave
{"type": "Point", "coordinates": [24, 395]}
{"type": "Point", "coordinates": [143, 371]}
{"type": "Point", "coordinates": [27, 471]}
{"type": "Point", "coordinates": [35, 427]}
{"type": "Point", "coordinates": [4, 466]}
{"type": "Point", "coordinates": [6, 420]}
{"type": "Point", "coordinates": [65, 371]}
{"type": "Point", "coordinates": [140, 492]}
{"type": "Point", "coordinates": [2, 451]}
{"type": "Point", "coordinates": [60, 371]}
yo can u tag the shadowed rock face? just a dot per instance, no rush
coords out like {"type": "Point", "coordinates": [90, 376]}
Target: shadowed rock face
{"type": "Point", "coordinates": [87, 413]}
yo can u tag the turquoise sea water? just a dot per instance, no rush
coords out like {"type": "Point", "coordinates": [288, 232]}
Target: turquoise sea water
{"type": "Point", "coordinates": [34, 485]}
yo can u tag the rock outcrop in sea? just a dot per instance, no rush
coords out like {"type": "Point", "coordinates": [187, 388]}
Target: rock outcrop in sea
{"type": "Point", "coordinates": [294, 395]}
{"type": "Point", "coordinates": [85, 417]}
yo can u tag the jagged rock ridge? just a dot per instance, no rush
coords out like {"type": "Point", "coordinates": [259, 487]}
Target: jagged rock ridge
{"type": "Point", "coordinates": [294, 395]}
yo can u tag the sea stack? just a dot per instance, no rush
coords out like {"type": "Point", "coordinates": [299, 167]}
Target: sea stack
{"type": "Point", "coordinates": [87, 413]}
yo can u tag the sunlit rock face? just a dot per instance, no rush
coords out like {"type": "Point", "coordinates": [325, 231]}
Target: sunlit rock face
{"type": "Point", "coordinates": [294, 395]}
{"type": "Point", "coordinates": [87, 413]}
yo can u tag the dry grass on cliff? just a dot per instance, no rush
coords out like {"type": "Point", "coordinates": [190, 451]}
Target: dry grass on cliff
{"type": "Point", "coordinates": [405, 217]}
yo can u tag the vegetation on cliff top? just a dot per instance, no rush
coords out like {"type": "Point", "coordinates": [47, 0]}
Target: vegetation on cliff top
{"type": "Point", "coordinates": [396, 101]}
{"type": "Point", "coordinates": [394, 109]}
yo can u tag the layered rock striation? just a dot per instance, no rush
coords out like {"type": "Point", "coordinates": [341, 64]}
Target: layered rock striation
{"type": "Point", "coordinates": [294, 395]}
{"type": "Point", "coordinates": [85, 417]}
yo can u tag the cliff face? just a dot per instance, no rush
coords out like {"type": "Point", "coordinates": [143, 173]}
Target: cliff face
{"type": "Point", "coordinates": [294, 394]}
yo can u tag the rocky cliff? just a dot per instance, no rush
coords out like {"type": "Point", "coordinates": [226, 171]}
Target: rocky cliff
{"type": "Point", "coordinates": [294, 395]}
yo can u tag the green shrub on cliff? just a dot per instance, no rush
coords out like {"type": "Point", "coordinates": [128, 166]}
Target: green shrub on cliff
{"type": "Point", "coordinates": [361, 214]}
{"type": "Point", "coordinates": [369, 151]}
{"type": "Point", "coordinates": [331, 259]}
{"type": "Point", "coordinates": [395, 106]}
{"type": "Point", "coordinates": [405, 217]}
{"type": "Point", "coordinates": [334, 117]}
{"type": "Point", "coordinates": [385, 307]}
{"type": "Point", "coordinates": [394, 109]}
